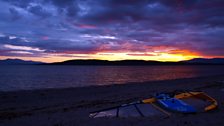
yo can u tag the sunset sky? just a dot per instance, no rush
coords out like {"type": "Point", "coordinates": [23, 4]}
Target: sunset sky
{"type": "Point", "coordinates": [164, 30]}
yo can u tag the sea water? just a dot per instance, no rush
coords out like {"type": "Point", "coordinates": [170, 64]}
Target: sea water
{"type": "Point", "coordinates": [28, 77]}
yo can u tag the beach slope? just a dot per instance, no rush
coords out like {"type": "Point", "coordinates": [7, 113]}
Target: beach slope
{"type": "Point", "coordinates": [71, 106]}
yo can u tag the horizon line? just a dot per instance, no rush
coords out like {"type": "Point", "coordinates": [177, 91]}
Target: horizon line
{"type": "Point", "coordinates": [108, 60]}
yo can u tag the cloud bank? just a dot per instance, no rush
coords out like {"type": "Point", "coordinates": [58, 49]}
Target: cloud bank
{"type": "Point", "coordinates": [138, 27]}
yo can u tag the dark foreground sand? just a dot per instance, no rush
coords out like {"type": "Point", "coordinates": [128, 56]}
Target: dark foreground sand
{"type": "Point", "coordinates": [70, 107]}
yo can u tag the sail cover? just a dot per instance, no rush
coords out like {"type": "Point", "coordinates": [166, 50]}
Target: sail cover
{"type": "Point", "coordinates": [130, 110]}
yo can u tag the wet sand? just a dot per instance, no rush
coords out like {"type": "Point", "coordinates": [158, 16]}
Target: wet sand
{"type": "Point", "coordinates": [71, 106]}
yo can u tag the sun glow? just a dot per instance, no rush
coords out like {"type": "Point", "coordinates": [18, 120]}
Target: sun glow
{"type": "Point", "coordinates": [112, 56]}
{"type": "Point", "coordinates": [144, 56]}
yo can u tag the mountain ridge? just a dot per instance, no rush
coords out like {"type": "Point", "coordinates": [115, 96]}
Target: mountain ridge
{"type": "Point", "coordinates": [18, 62]}
{"type": "Point", "coordinates": [196, 61]}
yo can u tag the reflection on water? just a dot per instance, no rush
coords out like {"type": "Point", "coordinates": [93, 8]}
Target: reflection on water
{"type": "Point", "coordinates": [36, 77]}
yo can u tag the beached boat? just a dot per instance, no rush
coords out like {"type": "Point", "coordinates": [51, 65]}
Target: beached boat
{"type": "Point", "coordinates": [186, 101]}
{"type": "Point", "coordinates": [161, 105]}
{"type": "Point", "coordinates": [173, 104]}
{"type": "Point", "coordinates": [199, 100]}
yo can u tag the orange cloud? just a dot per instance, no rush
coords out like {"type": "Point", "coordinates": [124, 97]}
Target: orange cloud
{"type": "Point", "coordinates": [184, 52]}
{"type": "Point", "coordinates": [141, 54]}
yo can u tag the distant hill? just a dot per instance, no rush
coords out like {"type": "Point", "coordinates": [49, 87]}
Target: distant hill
{"type": "Point", "coordinates": [206, 61]}
{"type": "Point", "coordinates": [198, 61]}
{"type": "Point", "coordinates": [18, 62]}
{"type": "Point", "coordinates": [105, 62]}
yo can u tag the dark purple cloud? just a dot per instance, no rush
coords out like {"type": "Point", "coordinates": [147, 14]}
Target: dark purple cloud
{"type": "Point", "coordinates": [39, 11]}
{"type": "Point", "coordinates": [90, 26]}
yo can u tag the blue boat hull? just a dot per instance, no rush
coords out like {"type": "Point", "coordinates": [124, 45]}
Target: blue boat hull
{"type": "Point", "coordinates": [176, 105]}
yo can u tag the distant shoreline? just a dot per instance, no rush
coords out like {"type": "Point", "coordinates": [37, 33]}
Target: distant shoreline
{"type": "Point", "coordinates": [197, 61]}
{"type": "Point", "coordinates": [138, 62]}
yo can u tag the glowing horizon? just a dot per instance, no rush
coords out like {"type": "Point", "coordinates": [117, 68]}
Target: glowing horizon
{"type": "Point", "coordinates": [113, 57]}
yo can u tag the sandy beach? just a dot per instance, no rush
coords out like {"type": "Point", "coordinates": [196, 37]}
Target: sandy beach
{"type": "Point", "coordinates": [71, 106]}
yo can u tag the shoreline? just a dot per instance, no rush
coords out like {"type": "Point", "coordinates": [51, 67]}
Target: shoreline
{"type": "Point", "coordinates": [71, 106]}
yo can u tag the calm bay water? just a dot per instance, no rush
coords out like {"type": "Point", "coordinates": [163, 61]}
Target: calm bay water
{"type": "Point", "coordinates": [40, 77]}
